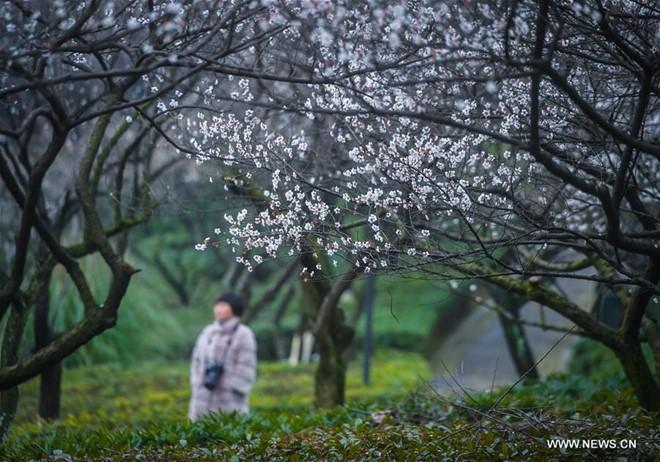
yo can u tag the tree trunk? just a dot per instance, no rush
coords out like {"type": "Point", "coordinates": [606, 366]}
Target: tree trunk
{"type": "Point", "coordinates": [450, 314]}
{"type": "Point", "coordinates": [8, 407]}
{"type": "Point", "coordinates": [518, 346]}
{"type": "Point", "coordinates": [278, 341]}
{"type": "Point", "coordinates": [178, 285]}
{"type": "Point", "coordinates": [51, 378]}
{"type": "Point", "coordinates": [639, 374]}
{"type": "Point", "coordinates": [514, 333]}
{"type": "Point", "coordinates": [333, 341]}
{"type": "Point", "coordinates": [368, 302]}
{"type": "Point", "coordinates": [50, 392]}
{"type": "Point", "coordinates": [333, 334]}
{"type": "Point", "coordinates": [652, 332]}
{"type": "Point", "coordinates": [9, 355]}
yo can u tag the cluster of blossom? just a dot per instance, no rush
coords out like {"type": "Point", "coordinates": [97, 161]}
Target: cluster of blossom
{"type": "Point", "coordinates": [402, 176]}
{"type": "Point", "coordinates": [425, 134]}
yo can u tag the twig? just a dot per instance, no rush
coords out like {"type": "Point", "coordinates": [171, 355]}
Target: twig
{"type": "Point", "coordinates": [522, 377]}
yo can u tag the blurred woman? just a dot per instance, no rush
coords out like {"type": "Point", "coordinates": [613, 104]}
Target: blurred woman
{"type": "Point", "coordinates": [224, 362]}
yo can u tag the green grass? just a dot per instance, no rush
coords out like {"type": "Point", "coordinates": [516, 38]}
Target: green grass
{"type": "Point", "coordinates": [137, 393]}
{"type": "Point", "coordinates": [151, 401]}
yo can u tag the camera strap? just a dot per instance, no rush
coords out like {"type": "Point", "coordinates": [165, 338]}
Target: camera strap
{"type": "Point", "coordinates": [231, 337]}
{"type": "Point", "coordinates": [213, 342]}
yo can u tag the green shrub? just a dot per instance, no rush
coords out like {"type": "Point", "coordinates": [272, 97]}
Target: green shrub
{"type": "Point", "coordinates": [594, 360]}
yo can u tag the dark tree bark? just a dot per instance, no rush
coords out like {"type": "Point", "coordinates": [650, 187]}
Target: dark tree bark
{"type": "Point", "coordinates": [518, 345]}
{"type": "Point", "coordinates": [179, 285]}
{"type": "Point", "coordinates": [624, 341]}
{"type": "Point", "coordinates": [9, 356]}
{"type": "Point", "coordinates": [50, 392]}
{"type": "Point", "coordinates": [50, 380]}
{"type": "Point", "coordinates": [47, 118]}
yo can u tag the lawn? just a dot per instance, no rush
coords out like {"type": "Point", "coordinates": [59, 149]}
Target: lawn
{"type": "Point", "coordinates": [138, 393]}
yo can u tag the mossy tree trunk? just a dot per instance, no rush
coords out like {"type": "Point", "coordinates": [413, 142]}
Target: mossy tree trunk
{"type": "Point", "coordinates": [332, 333]}
{"type": "Point", "coordinates": [332, 342]}
{"type": "Point", "coordinates": [639, 374]}
{"type": "Point", "coordinates": [518, 346]}
{"type": "Point", "coordinates": [8, 357]}
{"type": "Point", "coordinates": [628, 343]}
{"type": "Point", "coordinates": [652, 331]}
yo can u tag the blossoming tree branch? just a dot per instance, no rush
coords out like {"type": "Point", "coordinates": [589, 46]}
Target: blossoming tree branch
{"type": "Point", "coordinates": [512, 142]}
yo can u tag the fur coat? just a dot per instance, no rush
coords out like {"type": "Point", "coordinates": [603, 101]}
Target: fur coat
{"type": "Point", "coordinates": [235, 342]}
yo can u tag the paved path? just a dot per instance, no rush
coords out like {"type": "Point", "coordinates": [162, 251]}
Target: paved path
{"type": "Point", "coordinates": [476, 356]}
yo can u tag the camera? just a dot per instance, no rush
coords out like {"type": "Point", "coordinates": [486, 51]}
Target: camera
{"type": "Point", "coordinates": [212, 374]}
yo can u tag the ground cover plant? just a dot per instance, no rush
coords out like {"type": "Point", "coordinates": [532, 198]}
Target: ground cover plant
{"type": "Point", "coordinates": [138, 413]}
{"type": "Point", "coordinates": [414, 423]}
